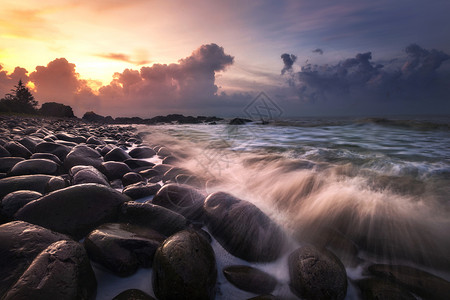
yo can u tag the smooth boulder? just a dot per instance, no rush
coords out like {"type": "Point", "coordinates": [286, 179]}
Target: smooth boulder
{"type": "Point", "coordinates": [117, 154]}
{"type": "Point", "coordinates": [61, 271]}
{"type": "Point", "coordinates": [141, 189]}
{"type": "Point", "coordinates": [38, 183]}
{"type": "Point", "coordinates": [83, 155]}
{"type": "Point", "coordinates": [243, 229]}
{"type": "Point", "coordinates": [142, 152]}
{"type": "Point", "coordinates": [152, 216]}
{"type": "Point", "coordinates": [182, 199]}
{"type": "Point", "coordinates": [250, 279]}
{"type": "Point", "coordinates": [185, 267]}
{"type": "Point", "coordinates": [75, 210]}
{"type": "Point", "coordinates": [122, 248]}
{"type": "Point", "coordinates": [14, 201]}
{"type": "Point", "coordinates": [317, 274]}
{"type": "Point", "coordinates": [35, 166]}
{"type": "Point", "coordinates": [133, 294]}
{"type": "Point", "coordinates": [59, 150]}
{"type": "Point", "coordinates": [7, 163]}
{"type": "Point", "coordinates": [114, 169]}
{"type": "Point", "coordinates": [87, 174]}
{"type": "Point", "coordinates": [20, 243]}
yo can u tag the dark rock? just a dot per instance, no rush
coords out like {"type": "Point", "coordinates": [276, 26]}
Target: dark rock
{"type": "Point", "coordinates": [55, 183]}
{"type": "Point", "coordinates": [141, 189]}
{"type": "Point", "coordinates": [164, 152]}
{"type": "Point", "coordinates": [134, 163]}
{"type": "Point", "coordinates": [83, 155]}
{"type": "Point", "coordinates": [173, 172]}
{"type": "Point", "coordinates": [17, 150]}
{"type": "Point", "coordinates": [150, 173]}
{"type": "Point", "coordinates": [53, 109]}
{"type": "Point", "coordinates": [87, 174]}
{"type": "Point", "coordinates": [90, 116]}
{"type": "Point", "coordinates": [264, 297]}
{"type": "Point", "coordinates": [142, 152]}
{"type": "Point", "coordinates": [7, 163]}
{"type": "Point", "coordinates": [162, 168]}
{"type": "Point", "coordinates": [117, 154]}
{"type": "Point", "coordinates": [70, 138]}
{"type": "Point", "coordinates": [422, 283]}
{"type": "Point", "coordinates": [243, 229]}
{"type": "Point", "coordinates": [250, 279]}
{"type": "Point", "coordinates": [29, 143]}
{"type": "Point", "coordinates": [184, 268]}
{"type": "Point", "coordinates": [239, 121]}
{"type": "Point", "coordinates": [133, 294]}
{"type": "Point", "coordinates": [75, 210]}
{"type": "Point", "coordinates": [317, 274]}
{"type": "Point", "coordinates": [152, 216]}
{"type": "Point", "coordinates": [67, 272]}
{"type": "Point", "coordinates": [191, 180]}
{"type": "Point", "coordinates": [35, 166]}
{"type": "Point", "coordinates": [20, 243]}
{"type": "Point", "coordinates": [57, 149]}
{"type": "Point", "coordinates": [170, 160]}
{"type": "Point", "coordinates": [47, 156]}
{"type": "Point", "coordinates": [4, 152]}
{"type": "Point", "coordinates": [182, 199]}
{"type": "Point", "coordinates": [374, 289]}
{"type": "Point", "coordinates": [38, 183]}
{"type": "Point", "coordinates": [105, 149]}
{"type": "Point", "coordinates": [14, 201]}
{"type": "Point", "coordinates": [114, 169]}
{"type": "Point", "coordinates": [122, 248]}
{"type": "Point", "coordinates": [94, 141]}
{"type": "Point", "coordinates": [131, 178]}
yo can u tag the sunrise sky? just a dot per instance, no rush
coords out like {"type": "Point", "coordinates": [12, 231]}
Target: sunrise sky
{"type": "Point", "coordinates": [144, 57]}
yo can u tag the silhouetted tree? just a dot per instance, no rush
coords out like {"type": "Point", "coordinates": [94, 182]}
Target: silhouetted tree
{"type": "Point", "coordinates": [19, 100]}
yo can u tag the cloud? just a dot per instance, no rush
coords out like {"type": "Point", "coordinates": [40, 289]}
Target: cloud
{"type": "Point", "coordinates": [318, 51]}
{"type": "Point", "coordinates": [59, 81]}
{"type": "Point", "coordinates": [416, 84]}
{"type": "Point", "coordinates": [288, 60]}
{"type": "Point", "coordinates": [124, 58]}
{"type": "Point", "coordinates": [9, 80]}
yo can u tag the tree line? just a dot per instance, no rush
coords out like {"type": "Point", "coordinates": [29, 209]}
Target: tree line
{"type": "Point", "coordinates": [21, 101]}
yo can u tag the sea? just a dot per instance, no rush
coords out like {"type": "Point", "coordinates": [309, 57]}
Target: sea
{"type": "Point", "coordinates": [380, 186]}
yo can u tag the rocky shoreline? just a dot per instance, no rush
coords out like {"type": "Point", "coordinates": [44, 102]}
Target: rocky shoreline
{"type": "Point", "coordinates": [74, 193]}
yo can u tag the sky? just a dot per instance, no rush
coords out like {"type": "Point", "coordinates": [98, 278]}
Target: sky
{"type": "Point", "coordinates": [311, 58]}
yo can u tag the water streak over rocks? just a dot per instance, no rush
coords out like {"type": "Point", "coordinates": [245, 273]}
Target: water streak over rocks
{"type": "Point", "coordinates": [122, 248]}
{"type": "Point", "coordinates": [75, 210]}
{"type": "Point", "coordinates": [243, 229]}
{"type": "Point", "coordinates": [182, 199]}
{"type": "Point", "coordinates": [185, 267]}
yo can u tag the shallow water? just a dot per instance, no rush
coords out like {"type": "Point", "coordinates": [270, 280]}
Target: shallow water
{"type": "Point", "coordinates": [379, 186]}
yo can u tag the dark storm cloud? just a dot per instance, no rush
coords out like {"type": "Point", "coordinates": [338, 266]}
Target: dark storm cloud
{"type": "Point", "coordinates": [288, 60]}
{"type": "Point", "coordinates": [318, 51]}
{"type": "Point", "coordinates": [417, 80]}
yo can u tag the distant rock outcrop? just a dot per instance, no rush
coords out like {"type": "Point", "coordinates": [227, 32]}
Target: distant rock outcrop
{"type": "Point", "coordinates": [53, 109]}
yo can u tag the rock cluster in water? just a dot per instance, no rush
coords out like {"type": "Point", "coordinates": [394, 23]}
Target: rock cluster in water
{"type": "Point", "coordinates": [73, 193]}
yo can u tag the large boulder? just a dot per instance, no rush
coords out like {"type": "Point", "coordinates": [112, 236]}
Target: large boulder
{"type": "Point", "coordinates": [87, 174]}
{"type": "Point", "coordinates": [75, 210]}
{"type": "Point", "coordinates": [250, 279]}
{"type": "Point", "coordinates": [114, 169]}
{"type": "Point", "coordinates": [14, 201]}
{"type": "Point", "coordinates": [59, 150]}
{"type": "Point", "coordinates": [243, 229]}
{"type": "Point", "coordinates": [53, 109]}
{"type": "Point", "coordinates": [122, 248]}
{"type": "Point", "coordinates": [152, 216]}
{"type": "Point", "coordinates": [424, 284]}
{"type": "Point", "coordinates": [17, 150]}
{"type": "Point", "coordinates": [117, 154]}
{"type": "Point", "coordinates": [49, 156]}
{"type": "Point", "coordinates": [185, 267]}
{"type": "Point", "coordinates": [317, 274]}
{"type": "Point", "coordinates": [20, 243]}
{"type": "Point", "coordinates": [83, 155]}
{"type": "Point", "coordinates": [38, 183]}
{"type": "Point", "coordinates": [375, 289]}
{"type": "Point", "coordinates": [182, 199]}
{"type": "Point", "coordinates": [142, 152]}
{"type": "Point", "coordinates": [4, 152]}
{"type": "Point", "coordinates": [141, 189]}
{"type": "Point", "coordinates": [7, 163]}
{"type": "Point", "coordinates": [133, 294]}
{"type": "Point", "coordinates": [70, 138]}
{"type": "Point", "coordinates": [61, 271]}
{"type": "Point", "coordinates": [35, 166]}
